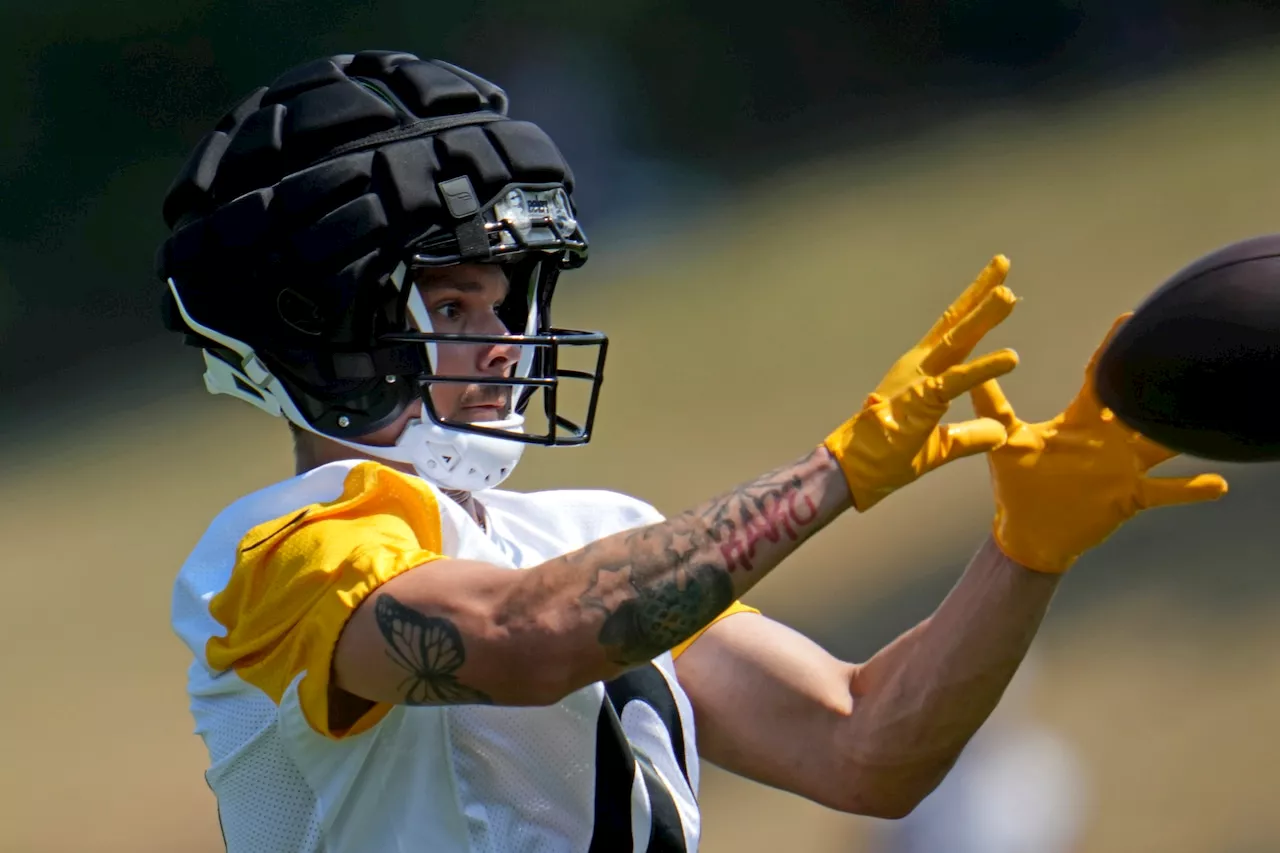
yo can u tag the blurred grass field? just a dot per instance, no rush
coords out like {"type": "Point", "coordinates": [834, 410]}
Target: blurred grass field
{"type": "Point", "coordinates": [734, 349]}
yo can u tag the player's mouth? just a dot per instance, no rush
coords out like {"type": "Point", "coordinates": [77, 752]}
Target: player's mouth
{"type": "Point", "coordinates": [475, 414]}
{"type": "Point", "coordinates": [489, 404]}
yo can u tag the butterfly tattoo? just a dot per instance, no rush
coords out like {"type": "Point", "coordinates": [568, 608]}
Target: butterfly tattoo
{"type": "Point", "coordinates": [430, 650]}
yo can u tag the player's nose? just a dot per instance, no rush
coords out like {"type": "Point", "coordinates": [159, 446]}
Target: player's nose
{"type": "Point", "coordinates": [497, 359]}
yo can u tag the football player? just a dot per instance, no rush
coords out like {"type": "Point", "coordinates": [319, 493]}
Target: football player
{"type": "Point", "coordinates": [392, 653]}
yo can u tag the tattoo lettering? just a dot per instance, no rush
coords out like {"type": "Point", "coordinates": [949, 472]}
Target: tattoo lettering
{"type": "Point", "coordinates": [671, 579]}
{"type": "Point", "coordinates": [430, 650]}
{"type": "Point", "coordinates": [762, 511]}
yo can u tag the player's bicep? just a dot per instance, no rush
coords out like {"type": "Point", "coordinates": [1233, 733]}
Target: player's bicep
{"type": "Point", "coordinates": [427, 637]}
{"type": "Point", "coordinates": [769, 704]}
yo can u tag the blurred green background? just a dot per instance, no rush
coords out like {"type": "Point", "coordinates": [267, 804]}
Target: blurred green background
{"type": "Point", "coordinates": [780, 202]}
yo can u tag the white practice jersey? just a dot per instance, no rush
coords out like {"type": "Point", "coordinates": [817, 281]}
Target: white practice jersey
{"type": "Point", "coordinates": [260, 603]}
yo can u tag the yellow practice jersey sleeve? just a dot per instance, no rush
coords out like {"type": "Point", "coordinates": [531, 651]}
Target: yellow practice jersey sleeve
{"type": "Point", "coordinates": [736, 607]}
{"type": "Point", "coordinates": [298, 578]}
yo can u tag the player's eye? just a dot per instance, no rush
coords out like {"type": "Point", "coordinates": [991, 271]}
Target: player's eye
{"type": "Point", "coordinates": [450, 311]}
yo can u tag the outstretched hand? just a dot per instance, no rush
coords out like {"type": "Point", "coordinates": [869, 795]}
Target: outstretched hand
{"type": "Point", "coordinates": [1064, 485]}
{"type": "Point", "coordinates": [897, 436]}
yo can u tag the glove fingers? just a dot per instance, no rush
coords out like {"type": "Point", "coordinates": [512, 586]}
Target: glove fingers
{"type": "Point", "coordinates": [991, 277]}
{"type": "Point", "coordinates": [1086, 404]}
{"type": "Point", "coordinates": [955, 381]}
{"type": "Point", "coordinates": [1106, 341]}
{"type": "Point", "coordinates": [960, 340]}
{"type": "Point", "coordinates": [1171, 491]}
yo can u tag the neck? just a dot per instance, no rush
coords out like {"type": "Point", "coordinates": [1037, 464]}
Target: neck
{"type": "Point", "coordinates": [311, 451]}
{"type": "Point", "coordinates": [467, 501]}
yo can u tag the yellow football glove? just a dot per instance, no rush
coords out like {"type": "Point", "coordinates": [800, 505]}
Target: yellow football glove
{"type": "Point", "coordinates": [896, 437]}
{"type": "Point", "coordinates": [1065, 485]}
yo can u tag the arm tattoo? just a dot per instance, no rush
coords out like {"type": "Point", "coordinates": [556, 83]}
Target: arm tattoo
{"type": "Point", "coordinates": [430, 650]}
{"type": "Point", "coordinates": [671, 579]}
{"type": "Point", "coordinates": [770, 508]}
{"type": "Point", "coordinates": [660, 615]}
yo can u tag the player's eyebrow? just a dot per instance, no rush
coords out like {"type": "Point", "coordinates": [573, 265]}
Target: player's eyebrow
{"type": "Point", "coordinates": [465, 285]}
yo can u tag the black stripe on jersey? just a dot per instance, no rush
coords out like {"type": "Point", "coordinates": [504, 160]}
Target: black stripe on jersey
{"type": "Point", "coordinates": [666, 833]}
{"type": "Point", "coordinates": [616, 764]}
{"type": "Point", "coordinates": [615, 773]}
{"type": "Point", "coordinates": [647, 685]}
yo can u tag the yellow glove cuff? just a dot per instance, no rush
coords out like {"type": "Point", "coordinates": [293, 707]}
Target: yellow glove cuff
{"type": "Point", "coordinates": [1025, 553]}
{"type": "Point", "coordinates": [856, 464]}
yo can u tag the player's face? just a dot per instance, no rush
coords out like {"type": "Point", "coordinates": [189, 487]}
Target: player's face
{"type": "Point", "coordinates": [464, 299]}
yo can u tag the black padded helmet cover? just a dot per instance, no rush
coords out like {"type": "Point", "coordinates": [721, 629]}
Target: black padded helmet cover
{"type": "Point", "coordinates": [291, 215]}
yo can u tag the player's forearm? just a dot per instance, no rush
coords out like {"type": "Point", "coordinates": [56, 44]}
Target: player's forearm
{"type": "Point", "coordinates": [629, 597]}
{"type": "Point", "coordinates": [920, 700]}
{"type": "Point", "coordinates": [458, 631]}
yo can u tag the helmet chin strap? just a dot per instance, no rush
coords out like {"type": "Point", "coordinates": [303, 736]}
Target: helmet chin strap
{"type": "Point", "coordinates": [459, 461]}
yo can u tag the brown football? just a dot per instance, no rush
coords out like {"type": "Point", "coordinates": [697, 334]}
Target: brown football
{"type": "Point", "coordinates": [1197, 367]}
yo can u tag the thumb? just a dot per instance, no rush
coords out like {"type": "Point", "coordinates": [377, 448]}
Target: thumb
{"type": "Point", "coordinates": [1171, 491]}
{"type": "Point", "coordinates": [966, 438]}
{"type": "Point", "coordinates": [989, 401]}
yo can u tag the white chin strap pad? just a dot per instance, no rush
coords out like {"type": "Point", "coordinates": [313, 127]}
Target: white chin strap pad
{"type": "Point", "coordinates": [458, 461]}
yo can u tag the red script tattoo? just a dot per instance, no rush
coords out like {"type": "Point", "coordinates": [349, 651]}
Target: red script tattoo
{"type": "Point", "coordinates": [777, 514]}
